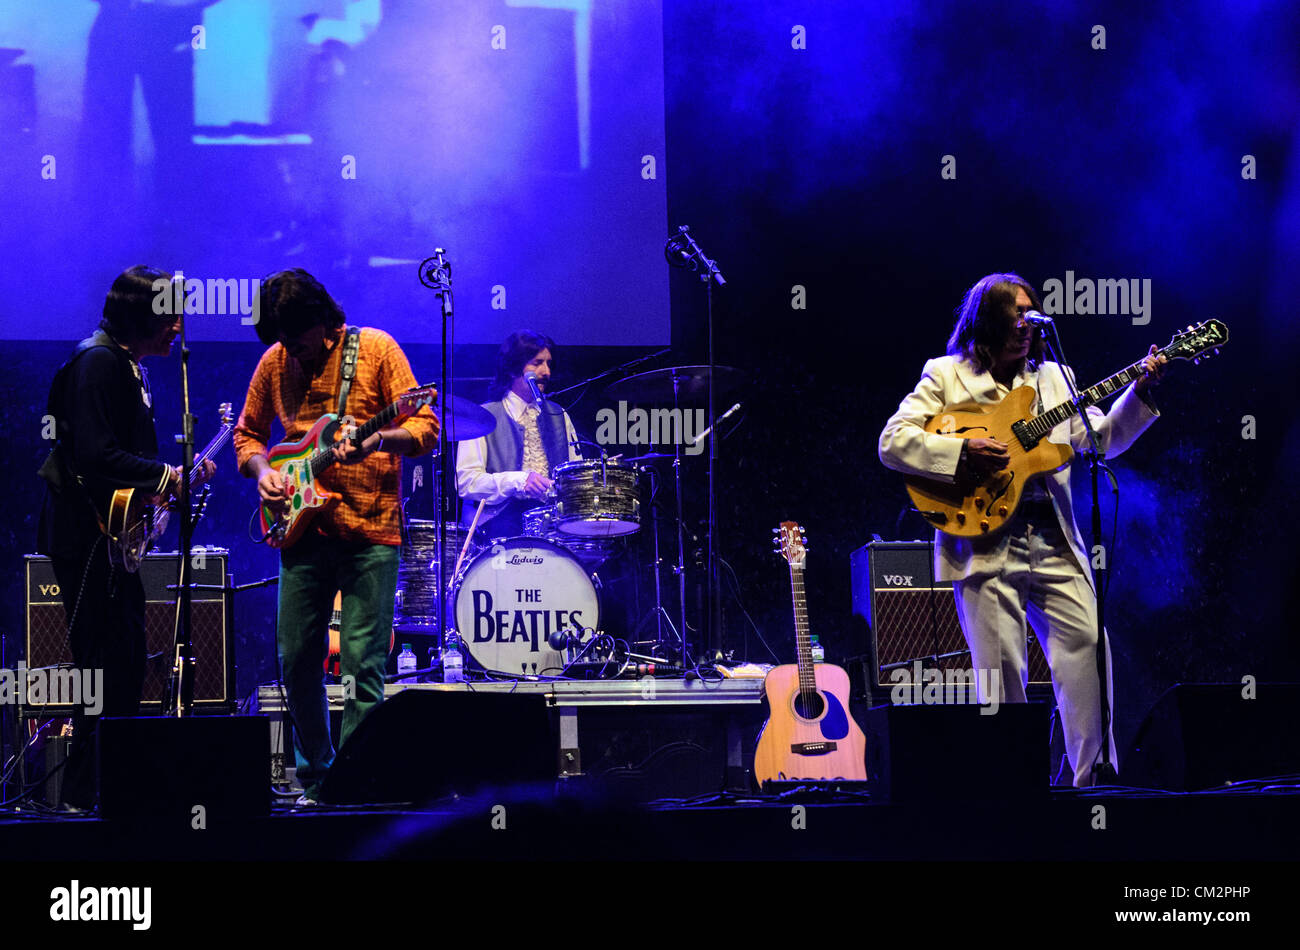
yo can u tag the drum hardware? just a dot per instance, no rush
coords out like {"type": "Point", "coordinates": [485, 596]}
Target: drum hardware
{"type": "Point", "coordinates": [678, 385]}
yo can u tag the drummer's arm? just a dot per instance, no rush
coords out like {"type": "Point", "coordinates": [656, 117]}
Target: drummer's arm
{"type": "Point", "coordinates": [475, 483]}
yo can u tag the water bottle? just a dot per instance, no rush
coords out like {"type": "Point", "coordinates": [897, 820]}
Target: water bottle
{"type": "Point", "coordinates": [406, 663]}
{"type": "Point", "coordinates": [818, 654]}
{"type": "Point", "coordinates": [453, 663]}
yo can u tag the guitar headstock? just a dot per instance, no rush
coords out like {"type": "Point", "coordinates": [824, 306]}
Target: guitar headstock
{"type": "Point", "coordinates": [415, 399]}
{"type": "Point", "coordinates": [1197, 343]}
{"type": "Point", "coordinates": [226, 412]}
{"type": "Point", "coordinates": [790, 543]}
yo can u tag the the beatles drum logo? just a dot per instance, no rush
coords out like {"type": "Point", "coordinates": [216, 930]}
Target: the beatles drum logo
{"type": "Point", "coordinates": [526, 619]}
{"type": "Point", "coordinates": [517, 594]}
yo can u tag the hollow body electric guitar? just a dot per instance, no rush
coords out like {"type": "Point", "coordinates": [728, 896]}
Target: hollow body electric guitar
{"type": "Point", "coordinates": [300, 463]}
{"type": "Point", "coordinates": [136, 522]}
{"type": "Point", "coordinates": [975, 505]}
{"type": "Point", "coordinates": [809, 734]}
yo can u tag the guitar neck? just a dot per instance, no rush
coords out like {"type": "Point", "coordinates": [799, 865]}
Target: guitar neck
{"type": "Point", "coordinates": [803, 642]}
{"type": "Point", "coordinates": [211, 449]}
{"type": "Point", "coordinates": [1039, 426]}
{"type": "Point", "coordinates": [322, 459]}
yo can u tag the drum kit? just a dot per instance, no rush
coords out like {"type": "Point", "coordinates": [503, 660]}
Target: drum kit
{"type": "Point", "coordinates": [530, 606]}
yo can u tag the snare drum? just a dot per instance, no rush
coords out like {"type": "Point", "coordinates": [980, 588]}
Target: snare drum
{"type": "Point", "coordinates": [597, 499]}
{"type": "Point", "coordinates": [417, 571]}
{"type": "Point", "coordinates": [513, 595]}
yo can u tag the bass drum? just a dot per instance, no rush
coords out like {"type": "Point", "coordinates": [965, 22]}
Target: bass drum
{"type": "Point", "coordinates": [513, 595]}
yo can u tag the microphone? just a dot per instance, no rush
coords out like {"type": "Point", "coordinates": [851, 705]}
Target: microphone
{"type": "Point", "coordinates": [531, 378]}
{"type": "Point", "coordinates": [1036, 319]}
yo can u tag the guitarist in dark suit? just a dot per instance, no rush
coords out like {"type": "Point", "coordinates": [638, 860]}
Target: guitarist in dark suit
{"type": "Point", "coordinates": [104, 423]}
{"type": "Point", "coordinates": [1036, 568]}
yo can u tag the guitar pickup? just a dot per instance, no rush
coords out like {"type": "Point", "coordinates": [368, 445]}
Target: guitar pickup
{"type": "Point", "coordinates": [812, 748]}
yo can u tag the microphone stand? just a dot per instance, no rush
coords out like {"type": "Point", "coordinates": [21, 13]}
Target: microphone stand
{"type": "Point", "coordinates": [1103, 772]}
{"type": "Point", "coordinates": [180, 693]}
{"type": "Point", "coordinates": [435, 273]}
{"type": "Point", "coordinates": [610, 372]}
{"type": "Point", "coordinates": [682, 251]}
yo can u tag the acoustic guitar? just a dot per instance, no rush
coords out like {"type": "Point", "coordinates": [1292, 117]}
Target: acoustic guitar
{"type": "Point", "coordinates": [300, 463]}
{"type": "Point", "coordinates": [809, 734]}
{"type": "Point", "coordinates": [975, 505]}
{"type": "Point", "coordinates": [137, 520]}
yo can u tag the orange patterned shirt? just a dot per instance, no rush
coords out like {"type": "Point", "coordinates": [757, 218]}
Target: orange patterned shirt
{"type": "Point", "coordinates": [371, 488]}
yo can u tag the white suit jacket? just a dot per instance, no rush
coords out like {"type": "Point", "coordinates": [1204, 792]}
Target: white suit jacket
{"type": "Point", "coordinates": [906, 447]}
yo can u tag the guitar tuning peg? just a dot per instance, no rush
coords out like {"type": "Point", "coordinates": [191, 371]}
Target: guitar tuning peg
{"type": "Point", "coordinates": [1216, 351]}
{"type": "Point", "coordinates": [1197, 361]}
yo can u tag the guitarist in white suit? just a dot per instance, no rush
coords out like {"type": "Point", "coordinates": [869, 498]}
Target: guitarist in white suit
{"type": "Point", "coordinates": [1036, 568]}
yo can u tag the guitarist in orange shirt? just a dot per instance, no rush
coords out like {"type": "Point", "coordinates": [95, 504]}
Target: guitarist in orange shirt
{"type": "Point", "coordinates": [351, 545]}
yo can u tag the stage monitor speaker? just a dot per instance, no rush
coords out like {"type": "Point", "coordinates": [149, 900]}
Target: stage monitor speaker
{"type": "Point", "coordinates": [945, 752]}
{"type": "Point", "coordinates": [425, 744]}
{"type": "Point", "coordinates": [214, 679]}
{"type": "Point", "coordinates": [159, 769]}
{"type": "Point", "coordinates": [911, 615]}
{"type": "Point", "coordinates": [1203, 735]}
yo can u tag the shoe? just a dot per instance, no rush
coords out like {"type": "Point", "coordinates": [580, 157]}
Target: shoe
{"type": "Point", "coordinates": [73, 811]}
{"type": "Point", "coordinates": [305, 801]}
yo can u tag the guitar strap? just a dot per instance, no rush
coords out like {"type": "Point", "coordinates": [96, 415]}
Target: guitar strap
{"type": "Point", "coordinates": [351, 346]}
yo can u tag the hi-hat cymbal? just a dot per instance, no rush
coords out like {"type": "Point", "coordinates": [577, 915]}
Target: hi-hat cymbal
{"type": "Point", "coordinates": [463, 420]}
{"type": "Point", "coordinates": [676, 384]}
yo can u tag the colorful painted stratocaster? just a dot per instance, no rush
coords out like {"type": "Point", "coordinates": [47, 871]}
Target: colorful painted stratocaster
{"type": "Point", "coordinates": [972, 505]}
{"type": "Point", "coordinates": [301, 463]}
{"type": "Point", "coordinates": [809, 734]}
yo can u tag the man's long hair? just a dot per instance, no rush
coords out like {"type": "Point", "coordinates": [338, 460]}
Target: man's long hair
{"type": "Point", "coordinates": [291, 302]}
{"type": "Point", "coordinates": [986, 318]}
{"type": "Point", "coordinates": [128, 313]}
{"type": "Point", "coordinates": [516, 352]}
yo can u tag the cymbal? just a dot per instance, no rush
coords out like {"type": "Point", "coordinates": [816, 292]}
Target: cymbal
{"type": "Point", "coordinates": [463, 420]}
{"type": "Point", "coordinates": [650, 457]}
{"type": "Point", "coordinates": [676, 383]}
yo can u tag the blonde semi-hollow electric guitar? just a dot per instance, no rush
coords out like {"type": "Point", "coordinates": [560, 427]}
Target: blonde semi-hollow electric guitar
{"type": "Point", "coordinates": [809, 734]}
{"type": "Point", "coordinates": [975, 505]}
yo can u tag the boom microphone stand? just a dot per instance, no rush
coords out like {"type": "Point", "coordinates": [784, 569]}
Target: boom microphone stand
{"type": "Point", "coordinates": [682, 251]}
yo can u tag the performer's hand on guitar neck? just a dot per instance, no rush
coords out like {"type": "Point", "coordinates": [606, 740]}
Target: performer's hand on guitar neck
{"type": "Point", "coordinates": [203, 473]}
{"type": "Point", "coordinates": [983, 456]}
{"type": "Point", "coordinates": [349, 453]}
{"type": "Point", "coordinates": [1155, 369]}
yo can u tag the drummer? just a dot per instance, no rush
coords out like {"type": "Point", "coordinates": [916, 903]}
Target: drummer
{"type": "Point", "coordinates": [510, 467]}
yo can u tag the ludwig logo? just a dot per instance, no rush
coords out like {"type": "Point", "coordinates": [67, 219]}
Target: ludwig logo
{"type": "Point", "coordinates": [898, 580]}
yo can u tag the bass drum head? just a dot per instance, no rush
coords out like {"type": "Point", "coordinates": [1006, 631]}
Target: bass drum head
{"type": "Point", "coordinates": [512, 595]}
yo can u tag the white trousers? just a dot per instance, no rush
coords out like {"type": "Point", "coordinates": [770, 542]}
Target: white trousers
{"type": "Point", "coordinates": [1041, 582]}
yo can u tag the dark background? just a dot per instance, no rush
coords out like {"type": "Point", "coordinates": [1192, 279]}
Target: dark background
{"type": "Point", "coordinates": [821, 168]}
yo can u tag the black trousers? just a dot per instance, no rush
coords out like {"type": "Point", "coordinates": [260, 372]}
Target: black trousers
{"type": "Point", "coordinates": [105, 611]}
